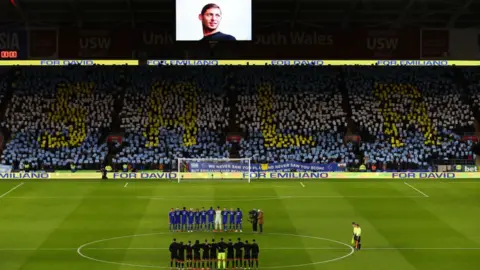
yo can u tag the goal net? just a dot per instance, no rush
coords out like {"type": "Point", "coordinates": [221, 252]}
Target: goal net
{"type": "Point", "coordinates": [204, 168]}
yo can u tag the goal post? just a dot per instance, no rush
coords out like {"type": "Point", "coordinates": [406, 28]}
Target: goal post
{"type": "Point", "coordinates": [214, 168]}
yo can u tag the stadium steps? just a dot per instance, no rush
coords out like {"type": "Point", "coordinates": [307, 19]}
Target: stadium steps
{"type": "Point", "coordinates": [118, 106]}
{"type": "Point", "coordinates": [11, 81]}
{"type": "Point", "coordinates": [232, 101]}
{"type": "Point", "coordinates": [466, 94]}
{"type": "Point", "coordinates": [351, 126]}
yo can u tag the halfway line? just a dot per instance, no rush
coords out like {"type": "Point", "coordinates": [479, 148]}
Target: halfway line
{"type": "Point", "coordinates": [12, 189]}
{"type": "Point", "coordinates": [278, 248]}
{"type": "Point", "coordinates": [425, 195]}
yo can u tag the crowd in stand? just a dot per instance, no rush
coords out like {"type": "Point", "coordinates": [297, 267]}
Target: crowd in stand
{"type": "Point", "coordinates": [174, 114]}
{"type": "Point", "coordinates": [291, 115]}
{"type": "Point", "coordinates": [410, 119]}
{"type": "Point", "coordinates": [61, 116]}
{"type": "Point", "coordinates": [56, 117]}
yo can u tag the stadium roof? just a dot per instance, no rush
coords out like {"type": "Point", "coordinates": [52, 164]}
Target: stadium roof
{"type": "Point", "coordinates": [315, 13]}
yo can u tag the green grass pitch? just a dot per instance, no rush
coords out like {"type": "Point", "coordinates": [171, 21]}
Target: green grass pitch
{"type": "Point", "coordinates": [427, 224]}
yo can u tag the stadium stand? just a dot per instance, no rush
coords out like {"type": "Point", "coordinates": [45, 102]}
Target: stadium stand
{"type": "Point", "coordinates": [408, 119]}
{"type": "Point", "coordinates": [171, 113]}
{"type": "Point", "coordinates": [57, 115]}
{"type": "Point", "coordinates": [291, 115]}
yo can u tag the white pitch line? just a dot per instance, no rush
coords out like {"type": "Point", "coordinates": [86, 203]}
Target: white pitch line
{"type": "Point", "coordinates": [302, 184]}
{"type": "Point", "coordinates": [278, 248]}
{"type": "Point", "coordinates": [233, 198]}
{"type": "Point", "coordinates": [425, 195]}
{"type": "Point", "coordinates": [12, 189]}
{"type": "Point", "coordinates": [126, 184]}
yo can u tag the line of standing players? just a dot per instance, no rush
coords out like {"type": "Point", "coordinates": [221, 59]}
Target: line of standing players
{"type": "Point", "coordinates": [214, 255]}
{"type": "Point", "coordinates": [191, 220]}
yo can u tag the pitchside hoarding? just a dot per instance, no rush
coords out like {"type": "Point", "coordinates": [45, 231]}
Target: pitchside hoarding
{"type": "Point", "coordinates": [239, 175]}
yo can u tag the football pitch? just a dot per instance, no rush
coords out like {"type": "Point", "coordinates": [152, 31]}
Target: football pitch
{"type": "Point", "coordinates": [110, 225]}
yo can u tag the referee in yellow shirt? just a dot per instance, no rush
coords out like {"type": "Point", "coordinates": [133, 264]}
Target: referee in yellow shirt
{"type": "Point", "coordinates": [357, 232]}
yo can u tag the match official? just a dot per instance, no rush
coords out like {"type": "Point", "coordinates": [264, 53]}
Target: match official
{"type": "Point", "coordinates": [255, 252]}
{"type": "Point", "coordinates": [221, 247]}
{"type": "Point", "coordinates": [353, 235]}
{"type": "Point", "coordinates": [358, 237]}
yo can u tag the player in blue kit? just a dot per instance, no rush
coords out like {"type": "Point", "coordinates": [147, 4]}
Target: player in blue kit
{"type": "Point", "coordinates": [203, 214]}
{"type": "Point", "coordinates": [232, 220]}
{"type": "Point", "coordinates": [197, 220]}
{"type": "Point", "coordinates": [184, 220]}
{"type": "Point", "coordinates": [177, 219]}
{"type": "Point", "coordinates": [191, 216]}
{"type": "Point", "coordinates": [171, 219]}
{"type": "Point", "coordinates": [238, 220]}
{"type": "Point", "coordinates": [224, 219]}
{"type": "Point", "coordinates": [211, 216]}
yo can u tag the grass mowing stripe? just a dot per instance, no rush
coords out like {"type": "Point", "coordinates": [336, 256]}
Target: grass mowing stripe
{"type": "Point", "coordinates": [12, 189]}
{"type": "Point", "coordinates": [98, 219]}
{"type": "Point", "coordinates": [407, 222]}
{"type": "Point", "coordinates": [278, 215]}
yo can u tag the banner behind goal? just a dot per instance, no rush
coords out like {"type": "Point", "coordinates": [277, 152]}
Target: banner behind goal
{"type": "Point", "coordinates": [205, 165]}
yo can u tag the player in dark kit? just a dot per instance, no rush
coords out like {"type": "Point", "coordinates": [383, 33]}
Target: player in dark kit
{"type": "Point", "coordinates": [173, 253]}
{"type": "Point", "coordinates": [247, 258]}
{"type": "Point", "coordinates": [196, 254]}
{"type": "Point", "coordinates": [230, 254]}
{"type": "Point", "coordinates": [213, 253]}
{"type": "Point", "coordinates": [189, 249]}
{"type": "Point", "coordinates": [206, 254]}
{"type": "Point", "coordinates": [255, 252]}
{"type": "Point", "coordinates": [181, 255]}
{"type": "Point", "coordinates": [238, 253]}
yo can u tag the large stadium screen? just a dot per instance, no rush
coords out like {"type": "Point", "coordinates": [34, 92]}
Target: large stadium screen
{"type": "Point", "coordinates": [213, 20]}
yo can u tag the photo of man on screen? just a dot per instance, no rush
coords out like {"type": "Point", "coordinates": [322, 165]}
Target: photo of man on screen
{"type": "Point", "coordinates": [211, 16]}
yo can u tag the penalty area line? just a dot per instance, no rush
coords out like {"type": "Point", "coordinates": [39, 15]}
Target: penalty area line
{"type": "Point", "coordinates": [301, 183]}
{"type": "Point", "coordinates": [414, 188]}
{"type": "Point", "coordinates": [126, 184]}
{"type": "Point", "coordinates": [12, 189]}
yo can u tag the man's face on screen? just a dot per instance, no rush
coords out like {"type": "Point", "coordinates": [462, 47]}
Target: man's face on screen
{"type": "Point", "coordinates": [211, 18]}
